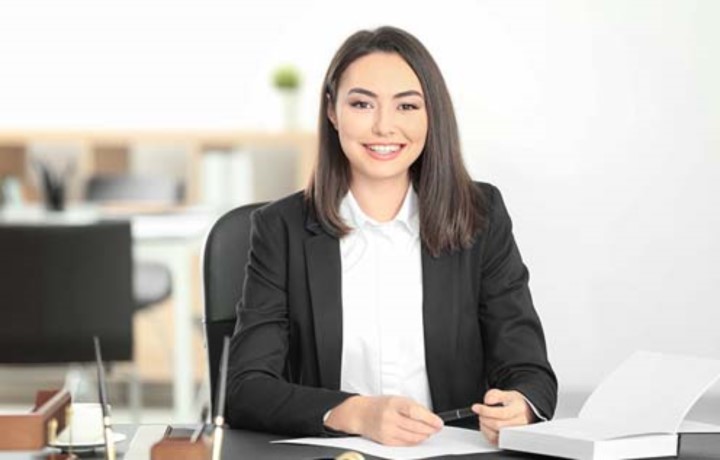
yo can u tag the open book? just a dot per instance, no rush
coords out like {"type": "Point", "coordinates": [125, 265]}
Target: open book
{"type": "Point", "coordinates": [636, 412]}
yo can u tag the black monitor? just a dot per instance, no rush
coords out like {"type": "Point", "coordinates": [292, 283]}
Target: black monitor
{"type": "Point", "coordinates": [60, 285]}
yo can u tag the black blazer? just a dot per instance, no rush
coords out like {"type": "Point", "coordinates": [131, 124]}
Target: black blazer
{"type": "Point", "coordinates": [481, 330]}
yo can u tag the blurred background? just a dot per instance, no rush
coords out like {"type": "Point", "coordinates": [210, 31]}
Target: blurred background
{"type": "Point", "coordinates": [598, 120]}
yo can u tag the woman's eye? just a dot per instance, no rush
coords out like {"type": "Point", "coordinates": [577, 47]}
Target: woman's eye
{"type": "Point", "coordinates": [409, 106]}
{"type": "Point", "coordinates": [360, 105]}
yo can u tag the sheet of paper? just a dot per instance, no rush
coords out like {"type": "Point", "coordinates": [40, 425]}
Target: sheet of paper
{"type": "Point", "coordinates": [651, 392]}
{"type": "Point", "coordinates": [143, 440]}
{"type": "Point", "coordinates": [449, 441]}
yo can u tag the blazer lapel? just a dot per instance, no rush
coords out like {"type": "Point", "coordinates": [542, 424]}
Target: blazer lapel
{"type": "Point", "coordinates": [322, 256]}
{"type": "Point", "coordinates": [439, 324]}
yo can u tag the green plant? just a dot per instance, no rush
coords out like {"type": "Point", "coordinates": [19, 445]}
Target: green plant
{"type": "Point", "coordinates": [286, 77]}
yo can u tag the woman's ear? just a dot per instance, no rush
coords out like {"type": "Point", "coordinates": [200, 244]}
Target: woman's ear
{"type": "Point", "coordinates": [332, 116]}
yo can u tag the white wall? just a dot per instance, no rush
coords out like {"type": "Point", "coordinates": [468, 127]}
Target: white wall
{"type": "Point", "coordinates": [599, 120]}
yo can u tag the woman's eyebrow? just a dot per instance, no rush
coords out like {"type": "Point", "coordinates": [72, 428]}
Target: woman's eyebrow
{"type": "Point", "coordinates": [411, 92]}
{"type": "Point", "coordinates": [363, 91]}
{"type": "Point", "coordinates": [369, 93]}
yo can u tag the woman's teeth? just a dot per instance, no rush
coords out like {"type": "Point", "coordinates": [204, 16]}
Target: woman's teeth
{"type": "Point", "coordinates": [384, 149]}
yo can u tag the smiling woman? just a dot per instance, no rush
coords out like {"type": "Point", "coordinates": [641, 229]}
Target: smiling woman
{"type": "Point", "coordinates": [392, 286]}
{"type": "Point", "coordinates": [411, 96]}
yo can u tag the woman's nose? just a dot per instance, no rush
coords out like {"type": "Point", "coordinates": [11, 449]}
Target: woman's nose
{"type": "Point", "coordinates": [383, 124]}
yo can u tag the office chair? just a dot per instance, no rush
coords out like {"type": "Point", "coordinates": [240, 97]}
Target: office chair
{"type": "Point", "coordinates": [224, 259]}
{"type": "Point", "coordinates": [152, 281]}
{"type": "Point", "coordinates": [59, 286]}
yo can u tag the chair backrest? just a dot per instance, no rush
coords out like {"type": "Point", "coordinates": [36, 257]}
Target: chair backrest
{"type": "Point", "coordinates": [226, 254]}
{"type": "Point", "coordinates": [128, 188]}
{"type": "Point", "coordinates": [59, 286]}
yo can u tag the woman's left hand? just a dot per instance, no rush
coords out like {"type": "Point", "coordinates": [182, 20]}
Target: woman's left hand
{"type": "Point", "coordinates": [510, 409]}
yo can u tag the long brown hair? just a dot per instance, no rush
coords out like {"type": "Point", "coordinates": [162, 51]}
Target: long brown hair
{"type": "Point", "coordinates": [452, 208]}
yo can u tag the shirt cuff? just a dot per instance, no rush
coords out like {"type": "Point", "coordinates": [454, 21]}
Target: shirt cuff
{"type": "Point", "coordinates": [327, 415]}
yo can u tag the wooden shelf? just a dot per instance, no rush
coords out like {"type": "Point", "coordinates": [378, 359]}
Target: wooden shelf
{"type": "Point", "coordinates": [108, 151]}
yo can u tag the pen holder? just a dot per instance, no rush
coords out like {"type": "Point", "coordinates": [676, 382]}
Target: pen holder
{"type": "Point", "coordinates": [33, 431]}
{"type": "Point", "coordinates": [173, 447]}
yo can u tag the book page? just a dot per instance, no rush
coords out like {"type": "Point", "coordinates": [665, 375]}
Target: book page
{"type": "Point", "coordinates": [651, 392]}
{"type": "Point", "coordinates": [692, 427]}
{"type": "Point", "coordinates": [573, 428]}
{"type": "Point", "coordinates": [449, 441]}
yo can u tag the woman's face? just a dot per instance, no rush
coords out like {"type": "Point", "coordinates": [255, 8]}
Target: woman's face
{"type": "Point", "coordinates": [380, 117]}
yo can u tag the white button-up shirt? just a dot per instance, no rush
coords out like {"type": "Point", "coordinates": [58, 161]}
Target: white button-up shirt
{"type": "Point", "coordinates": [383, 346]}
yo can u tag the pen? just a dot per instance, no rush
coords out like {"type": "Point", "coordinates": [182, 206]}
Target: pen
{"type": "Point", "coordinates": [459, 414]}
{"type": "Point", "coordinates": [198, 432]}
{"type": "Point", "coordinates": [456, 414]}
{"type": "Point", "coordinates": [102, 393]}
{"type": "Point", "coordinates": [219, 420]}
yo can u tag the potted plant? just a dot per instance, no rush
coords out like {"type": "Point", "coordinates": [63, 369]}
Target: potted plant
{"type": "Point", "coordinates": [286, 79]}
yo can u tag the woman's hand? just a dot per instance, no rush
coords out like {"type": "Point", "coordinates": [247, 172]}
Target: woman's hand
{"type": "Point", "coordinates": [511, 410]}
{"type": "Point", "coordinates": [389, 420]}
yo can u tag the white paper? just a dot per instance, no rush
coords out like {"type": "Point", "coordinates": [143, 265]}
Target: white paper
{"type": "Point", "coordinates": [651, 392]}
{"type": "Point", "coordinates": [449, 441]}
{"type": "Point", "coordinates": [143, 440]}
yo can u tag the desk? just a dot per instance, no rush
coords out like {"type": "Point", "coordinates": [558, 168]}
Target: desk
{"type": "Point", "coordinates": [248, 444]}
{"type": "Point", "coordinates": [172, 238]}
{"type": "Point", "coordinates": [243, 444]}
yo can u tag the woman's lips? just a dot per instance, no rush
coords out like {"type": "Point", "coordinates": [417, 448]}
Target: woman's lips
{"type": "Point", "coordinates": [384, 152]}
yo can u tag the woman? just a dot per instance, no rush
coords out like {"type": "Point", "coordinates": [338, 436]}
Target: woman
{"type": "Point", "coordinates": [391, 288]}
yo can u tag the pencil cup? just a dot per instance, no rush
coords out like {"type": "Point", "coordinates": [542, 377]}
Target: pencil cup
{"type": "Point", "coordinates": [170, 448]}
{"type": "Point", "coordinates": [85, 426]}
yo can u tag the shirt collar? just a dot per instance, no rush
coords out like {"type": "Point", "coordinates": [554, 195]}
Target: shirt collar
{"type": "Point", "coordinates": [408, 215]}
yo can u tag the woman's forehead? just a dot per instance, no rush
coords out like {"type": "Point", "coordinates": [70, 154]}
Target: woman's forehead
{"type": "Point", "coordinates": [381, 73]}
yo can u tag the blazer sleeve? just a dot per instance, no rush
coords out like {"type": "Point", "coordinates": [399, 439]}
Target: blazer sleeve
{"type": "Point", "coordinates": [516, 354]}
{"type": "Point", "coordinates": [259, 395]}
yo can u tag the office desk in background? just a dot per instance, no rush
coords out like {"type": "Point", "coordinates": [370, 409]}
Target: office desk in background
{"type": "Point", "coordinates": [173, 238]}
{"type": "Point", "coordinates": [242, 444]}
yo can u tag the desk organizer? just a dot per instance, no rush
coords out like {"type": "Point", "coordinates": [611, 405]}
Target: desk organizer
{"type": "Point", "coordinates": [174, 447]}
{"type": "Point", "coordinates": [33, 431]}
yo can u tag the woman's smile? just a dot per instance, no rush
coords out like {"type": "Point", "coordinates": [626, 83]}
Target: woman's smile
{"type": "Point", "coordinates": [384, 152]}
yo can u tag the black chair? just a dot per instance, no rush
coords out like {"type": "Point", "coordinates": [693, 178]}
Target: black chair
{"type": "Point", "coordinates": [59, 286]}
{"type": "Point", "coordinates": [152, 281]}
{"type": "Point", "coordinates": [226, 254]}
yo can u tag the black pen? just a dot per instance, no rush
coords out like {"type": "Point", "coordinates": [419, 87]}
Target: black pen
{"type": "Point", "coordinates": [456, 414]}
{"type": "Point", "coordinates": [459, 414]}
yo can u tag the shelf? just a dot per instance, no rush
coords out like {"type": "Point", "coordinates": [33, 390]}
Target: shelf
{"type": "Point", "coordinates": [108, 151]}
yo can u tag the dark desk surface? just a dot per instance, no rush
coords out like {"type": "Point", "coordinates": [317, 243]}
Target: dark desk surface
{"type": "Point", "coordinates": [256, 446]}
{"type": "Point", "coordinates": [247, 444]}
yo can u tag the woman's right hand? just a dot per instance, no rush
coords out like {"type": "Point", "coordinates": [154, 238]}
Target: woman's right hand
{"type": "Point", "coordinates": [389, 420]}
